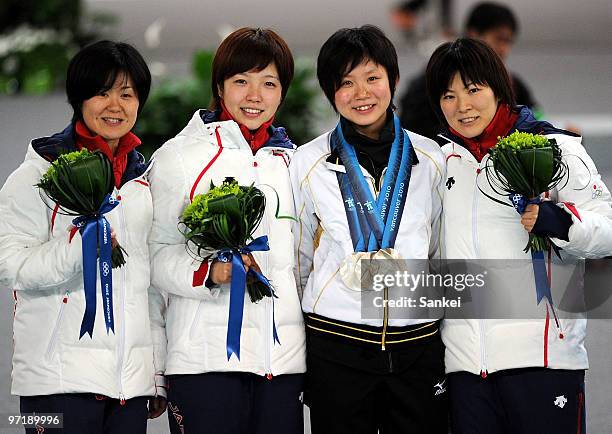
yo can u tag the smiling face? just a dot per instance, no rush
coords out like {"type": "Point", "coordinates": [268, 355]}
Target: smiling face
{"type": "Point", "coordinates": [112, 114]}
{"type": "Point", "coordinates": [252, 97]}
{"type": "Point", "coordinates": [468, 108]}
{"type": "Point", "coordinates": [363, 98]}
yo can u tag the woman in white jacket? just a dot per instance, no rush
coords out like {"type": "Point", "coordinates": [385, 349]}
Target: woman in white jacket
{"type": "Point", "coordinates": [260, 391]}
{"type": "Point", "coordinates": [371, 368]}
{"type": "Point", "coordinates": [101, 382]}
{"type": "Point", "coordinates": [523, 374]}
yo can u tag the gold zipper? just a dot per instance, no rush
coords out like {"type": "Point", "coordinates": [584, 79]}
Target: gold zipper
{"type": "Point", "coordinates": [385, 317]}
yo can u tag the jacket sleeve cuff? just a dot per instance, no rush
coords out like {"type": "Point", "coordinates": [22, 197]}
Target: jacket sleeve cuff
{"type": "Point", "coordinates": [161, 385]}
{"type": "Point", "coordinates": [552, 221]}
{"type": "Point", "coordinates": [201, 277]}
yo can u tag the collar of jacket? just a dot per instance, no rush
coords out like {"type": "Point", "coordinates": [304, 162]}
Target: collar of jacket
{"type": "Point", "coordinates": [278, 135]}
{"type": "Point", "coordinates": [334, 163]}
{"type": "Point", "coordinates": [62, 142]}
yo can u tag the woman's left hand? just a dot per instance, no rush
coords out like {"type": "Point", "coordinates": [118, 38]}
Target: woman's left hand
{"type": "Point", "coordinates": [529, 217]}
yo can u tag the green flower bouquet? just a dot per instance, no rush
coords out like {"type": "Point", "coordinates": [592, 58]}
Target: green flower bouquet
{"type": "Point", "coordinates": [222, 222]}
{"type": "Point", "coordinates": [79, 183]}
{"type": "Point", "coordinates": [522, 166]}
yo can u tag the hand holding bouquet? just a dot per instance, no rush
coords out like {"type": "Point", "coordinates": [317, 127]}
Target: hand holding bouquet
{"type": "Point", "coordinates": [223, 221]}
{"type": "Point", "coordinates": [81, 183]}
{"type": "Point", "coordinates": [522, 166]}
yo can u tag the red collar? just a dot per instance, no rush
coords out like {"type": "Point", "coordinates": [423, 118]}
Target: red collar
{"type": "Point", "coordinates": [500, 126]}
{"type": "Point", "coordinates": [85, 139]}
{"type": "Point", "coordinates": [256, 139]}
{"type": "Point", "coordinates": [94, 142]}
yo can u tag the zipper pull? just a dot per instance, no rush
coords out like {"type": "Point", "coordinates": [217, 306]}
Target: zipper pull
{"type": "Point", "coordinates": [121, 399]}
{"type": "Point", "coordinates": [269, 376]}
{"type": "Point", "coordinates": [483, 374]}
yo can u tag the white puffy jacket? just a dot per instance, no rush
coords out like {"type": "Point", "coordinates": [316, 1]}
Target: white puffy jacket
{"type": "Point", "coordinates": [194, 317]}
{"type": "Point", "coordinates": [324, 237]}
{"type": "Point", "coordinates": [44, 268]}
{"type": "Point", "coordinates": [476, 227]}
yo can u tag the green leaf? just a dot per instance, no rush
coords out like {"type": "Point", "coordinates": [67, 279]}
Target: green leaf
{"type": "Point", "coordinates": [538, 166]}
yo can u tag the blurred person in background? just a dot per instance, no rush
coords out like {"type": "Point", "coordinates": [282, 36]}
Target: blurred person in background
{"type": "Point", "coordinates": [259, 392]}
{"type": "Point", "coordinates": [408, 16]}
{"type": "Point", "coordinates": [496, 25]}
{"type": "Point", "coordinates": [100, 383]}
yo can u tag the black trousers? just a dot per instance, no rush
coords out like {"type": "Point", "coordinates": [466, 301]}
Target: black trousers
{"type": "Point", "coordinates": [235, 403]}
{"type": "Point", "coordinates": [86, 413]}
{"type": "Point", "coordinates": [353, 389]}
{"type": "Point", "coordinates": [518, 401]}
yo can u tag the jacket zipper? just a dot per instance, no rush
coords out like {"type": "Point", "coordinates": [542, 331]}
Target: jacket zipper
{"type": "Point", "coordinates": [122, 332]}
{"type": "Point", "coordinates": [385, 319]}
{"type": "Point", "coordinates": [481, 325]}
{"type": "Point", "coordinates": [54, 334]}
{"type": "Point", "coordinates": [483, 350]}
{"type": "Point", "coordinates": [386, 290]}
{"type": "Point", "coordinates": [475, 216]}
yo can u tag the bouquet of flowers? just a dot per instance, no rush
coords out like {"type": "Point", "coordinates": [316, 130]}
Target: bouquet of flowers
{"type": "Point", "coordinates": [522, 166]}
{"type": "Point", "coordinates": [224, 219]}
{"type": "Point", "coordinates": [81, 183]}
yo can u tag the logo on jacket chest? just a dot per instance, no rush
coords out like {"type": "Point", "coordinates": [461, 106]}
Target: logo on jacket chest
{"type": "Point", "coordinates": [450, 182]}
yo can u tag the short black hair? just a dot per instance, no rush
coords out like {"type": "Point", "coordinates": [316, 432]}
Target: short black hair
{"type": "Point", "coordinates": [475, 62]}
{"type": "Point", "coordinates": [347, 49]}
{"type": "Point", "coordinates": [248, 49]}
{"type": "Point", "coordinates": [95, 68]}
{"type": "Point", "coordinates": [488, 16]}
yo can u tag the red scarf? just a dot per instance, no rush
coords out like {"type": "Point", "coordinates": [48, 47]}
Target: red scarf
{"type": "Point", "coordinates": [256, 139]}
{"type": "Point", "coordinates": [85, 139]}
{"type": "Point", "coordinates": [500, 126]}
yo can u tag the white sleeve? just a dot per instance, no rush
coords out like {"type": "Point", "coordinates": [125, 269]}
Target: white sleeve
{"type": "Point", "coordinates": [29, 259]}
{"type": "Point", "coordinates": [305, 227]}
{"type": "Point", "coordinates": [587, 199]}
{"type": "Point", "coordinates": [172, 267]}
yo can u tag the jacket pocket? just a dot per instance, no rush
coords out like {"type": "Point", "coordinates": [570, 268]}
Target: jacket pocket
{"type": "Point", "coordinates": [54, 334]}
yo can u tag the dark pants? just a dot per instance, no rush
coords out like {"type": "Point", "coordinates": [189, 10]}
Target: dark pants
{"type": "Point", "coordinates": [86, 413]}
{"type": "Point", "coordinates": [518, 401]}
{"type": "Point", "coordinates": [235, 403]}
{"type": "Point", "coordinates": [355, 390]}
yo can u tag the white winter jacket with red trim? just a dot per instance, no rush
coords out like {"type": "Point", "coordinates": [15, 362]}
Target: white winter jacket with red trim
{"type": "Point", "coordinates": [476, 227]}
{"type": "Point", "coordinates": [43, 265]}
{"type": "Point", "coordinates": [192, 317]}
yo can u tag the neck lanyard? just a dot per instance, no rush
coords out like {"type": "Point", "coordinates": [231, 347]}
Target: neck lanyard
{"type": "Point", "coordinates": [374, 223]}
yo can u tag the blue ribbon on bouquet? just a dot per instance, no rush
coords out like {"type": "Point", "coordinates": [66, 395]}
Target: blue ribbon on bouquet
{"type": "Point", "coordinates": [520, 203]}
{"type": "Point", "coordinates": [96, 242]}
{"type": "Point", "coordinates": [237, 291]}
